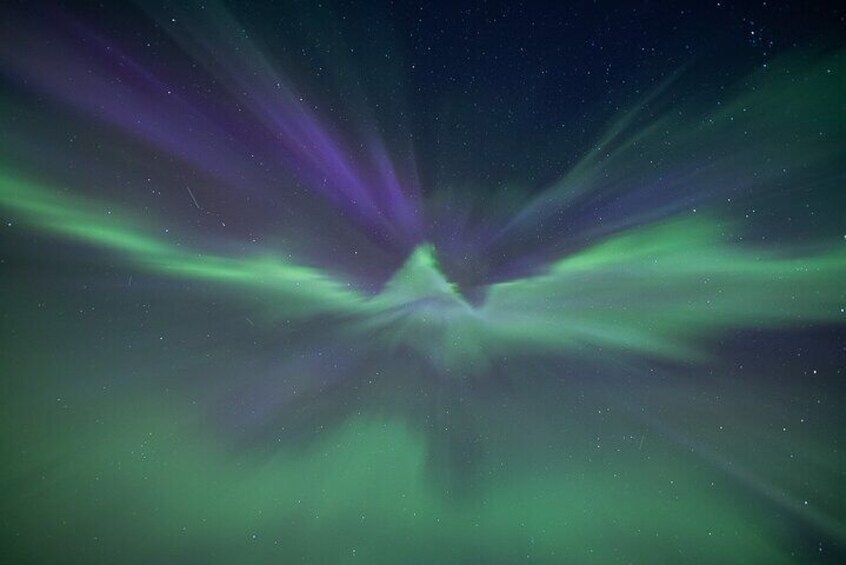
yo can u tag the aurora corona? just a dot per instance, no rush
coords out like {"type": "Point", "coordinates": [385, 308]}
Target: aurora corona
{"type": "Point", "coordinates": [256, 310]}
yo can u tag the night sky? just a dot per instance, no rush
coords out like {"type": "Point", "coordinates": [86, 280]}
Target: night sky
{"type": "Point", "coordinates": [452, 282]}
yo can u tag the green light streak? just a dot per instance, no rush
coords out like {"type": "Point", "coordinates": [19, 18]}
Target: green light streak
{"type": "Point", "coordinates": [661, 288]}
{"type": "Point", "coordinates": [657, 290]}
{"type": "Point", "coordinates": [310, 290]}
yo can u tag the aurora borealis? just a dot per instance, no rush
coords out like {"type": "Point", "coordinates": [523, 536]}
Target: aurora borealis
{"type": "Point", "coordinates": [300, 282]}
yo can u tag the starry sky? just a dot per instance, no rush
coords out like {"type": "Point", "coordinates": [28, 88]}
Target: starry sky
{"type": "Point", "coordinates": [401, 282]}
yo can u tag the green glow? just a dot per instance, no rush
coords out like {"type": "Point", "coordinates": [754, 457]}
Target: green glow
{"type": "Point", "coordinates": [310, 290]}
{"type": "Point", "coordinates": [659, 289]}
{"type": "Point", "coordinates": [367, 483]}
{"type": "Point", "coordinates": [419, 279]}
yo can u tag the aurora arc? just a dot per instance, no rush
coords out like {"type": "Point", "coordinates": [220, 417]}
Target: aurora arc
{"type": "Point", "coordinates": [659, 289]}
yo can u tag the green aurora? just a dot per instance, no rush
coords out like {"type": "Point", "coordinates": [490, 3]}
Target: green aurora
{"type": "Point", "coordinates": [658, 289]}
{"type": "Point", "coordinates": [661, 383]}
